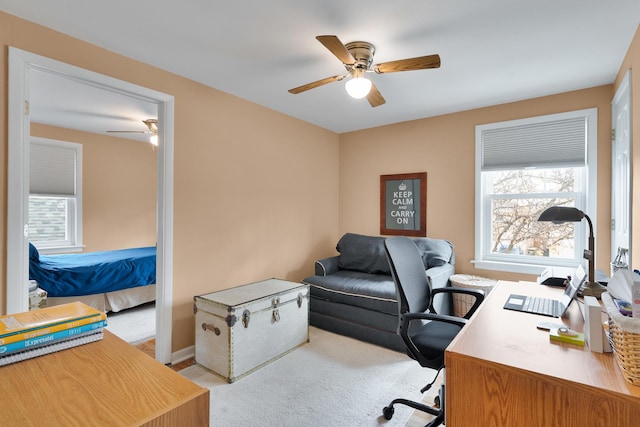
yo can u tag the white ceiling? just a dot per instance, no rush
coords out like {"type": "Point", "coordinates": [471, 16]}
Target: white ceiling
{"type": "Point", "coordinates": [59, 101]}
{"type": "Point", "coordinates": [492, 51]}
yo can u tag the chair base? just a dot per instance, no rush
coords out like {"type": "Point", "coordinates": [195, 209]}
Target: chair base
{"type": "Point", "coordinates": [389, 410]}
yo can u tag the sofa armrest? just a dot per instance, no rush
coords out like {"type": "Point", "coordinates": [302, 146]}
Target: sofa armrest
{"type": "Point", "coordinates": [327, 266]}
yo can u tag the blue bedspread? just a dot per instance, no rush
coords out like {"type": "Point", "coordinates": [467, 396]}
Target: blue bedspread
{"type": "Point", "coordinates": [93, 272]}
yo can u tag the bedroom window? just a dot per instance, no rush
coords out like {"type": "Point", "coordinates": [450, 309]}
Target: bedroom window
{"type": "Point", "coordinates": [522, 168]}
{"type": "Point", "coordinates": [55, 195]}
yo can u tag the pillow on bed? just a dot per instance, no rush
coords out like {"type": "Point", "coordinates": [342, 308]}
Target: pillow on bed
{"type": "Point", "coordinates": [33, 253]}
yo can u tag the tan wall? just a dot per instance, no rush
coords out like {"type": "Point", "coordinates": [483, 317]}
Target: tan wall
{"type": "Point", "coordinates": [119, 189]}
{"type": "Point", "coordinates": [254, 190]}
{"type": "Point", "coordinates": [258, 194]}
{"type": "Point", "coordinates": [444, 147]}
{"type": "Point", "coordinates": [632, 61]}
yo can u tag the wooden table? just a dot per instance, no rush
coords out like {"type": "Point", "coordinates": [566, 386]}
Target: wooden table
{"type": "Point", "coordinates": [503, 371]}
{"type": "Point", "coordinates": [106, 383]}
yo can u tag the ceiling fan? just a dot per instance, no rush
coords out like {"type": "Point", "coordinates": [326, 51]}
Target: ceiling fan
{"type": "Point", "coordinates": [357, 58]}
{"type": "Point", "coordinates": [152, 124]}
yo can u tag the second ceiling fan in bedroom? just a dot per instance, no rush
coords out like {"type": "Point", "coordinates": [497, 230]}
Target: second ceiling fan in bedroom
{"type": "Point", "coordinates": [152, 124]}
{"type": "Point", "coordinates": [357, 58]}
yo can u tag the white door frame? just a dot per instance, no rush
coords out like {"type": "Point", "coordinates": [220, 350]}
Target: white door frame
{"type": "Point", "coordinates": [20, 64]}
{"type": "Point", "coordinates": [621, 182]}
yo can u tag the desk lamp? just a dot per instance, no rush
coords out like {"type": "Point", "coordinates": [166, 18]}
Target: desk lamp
{"type": "Point", "coordinates": [562, 214]}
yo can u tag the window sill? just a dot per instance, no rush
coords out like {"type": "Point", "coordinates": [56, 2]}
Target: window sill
{"type": "Point", "coordinates": [60, 249]}
{"type": "Point", "coordinates": [511, 267]}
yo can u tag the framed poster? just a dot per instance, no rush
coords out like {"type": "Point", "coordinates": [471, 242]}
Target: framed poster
{"type": "Point", "coordinates": [403, 204]}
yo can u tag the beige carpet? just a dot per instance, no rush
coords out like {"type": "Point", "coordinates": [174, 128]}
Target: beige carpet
{"type": "Point", "coordinates": [133, 325]}
{"type": "Point", "coordinates": [332, 381]}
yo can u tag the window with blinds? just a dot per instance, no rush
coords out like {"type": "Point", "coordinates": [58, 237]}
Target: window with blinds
{"type": "Point", "coordinates": [52, 168]}
{"type": "Point", "coordinates": [523, 167]}
{"type": "Point", "coordinates": [556, 143]}
{"type": "Point", "coordinates": [55, 191]}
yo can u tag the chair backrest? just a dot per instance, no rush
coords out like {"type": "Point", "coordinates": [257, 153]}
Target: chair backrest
{"type": "Point", "coordinates": [413, 286]}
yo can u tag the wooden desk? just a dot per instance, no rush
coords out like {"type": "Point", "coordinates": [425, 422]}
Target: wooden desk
{"type": "Point", "coordinates": [106, 383]}
{"type": "Point", "coordinates": [503, 371]}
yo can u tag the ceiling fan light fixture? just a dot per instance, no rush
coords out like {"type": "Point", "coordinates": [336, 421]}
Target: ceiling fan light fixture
{"type": "Point", "coordinates": [358, 87]}
{"type": "Point", "coordinates": [152, 124]}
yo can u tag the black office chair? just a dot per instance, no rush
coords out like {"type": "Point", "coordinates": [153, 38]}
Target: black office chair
{"type": "Point", "coordinates": [425, 333]}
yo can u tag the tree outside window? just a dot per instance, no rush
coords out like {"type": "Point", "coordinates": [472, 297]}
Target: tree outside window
{"type": "Point", "coordinates": [517, 200]}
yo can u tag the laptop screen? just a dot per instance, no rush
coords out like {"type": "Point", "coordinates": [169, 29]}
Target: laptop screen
{"type": "Point", "coordinates": [573, 286]}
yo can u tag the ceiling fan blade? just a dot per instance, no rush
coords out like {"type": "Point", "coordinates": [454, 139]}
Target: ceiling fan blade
{"type": "Point", "coordinates": [410, 64]}
{"type": "Point", "coordinates": [338, 48]}
{"type": "Point", "coordinates": [375, 97]}
{"type": "Point", "coordinates": [152, 124]}
{"type": "Point", "coordinates": [315, 84]}
{"type": "Point", "coordinates": [128, 131]}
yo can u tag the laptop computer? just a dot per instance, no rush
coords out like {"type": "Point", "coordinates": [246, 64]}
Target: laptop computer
{"type": "Point", "coordinates": [548, 306]}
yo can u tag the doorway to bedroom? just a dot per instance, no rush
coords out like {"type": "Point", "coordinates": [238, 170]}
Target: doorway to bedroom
{"type": "Point", "coordinates": [22, 65]}
{"type": "Point", "coordinates": [135, 325]}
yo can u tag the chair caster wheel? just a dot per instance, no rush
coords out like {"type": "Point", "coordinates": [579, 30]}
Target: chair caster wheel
{"type": "Point", "coordinates": [388, 412]}
{"type": "Point", "coordinates": [436, 401]}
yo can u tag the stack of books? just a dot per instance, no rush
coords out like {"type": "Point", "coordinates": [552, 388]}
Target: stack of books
{"type": "Point", "coordinates": [38, 332]}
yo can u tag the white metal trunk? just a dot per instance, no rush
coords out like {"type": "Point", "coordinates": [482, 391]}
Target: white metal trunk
{"type": "Point", "coordinates": [239, 330]}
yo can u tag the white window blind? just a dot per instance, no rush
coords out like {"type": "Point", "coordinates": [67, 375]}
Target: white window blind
{"type": "Point", "coordinates": [53, 169]}
{"type": "Point", "coordinates": [556, 143]}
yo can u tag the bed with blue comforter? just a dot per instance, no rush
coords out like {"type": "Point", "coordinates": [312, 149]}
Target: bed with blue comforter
{"type": "Point", "coordinates": [92, 273]}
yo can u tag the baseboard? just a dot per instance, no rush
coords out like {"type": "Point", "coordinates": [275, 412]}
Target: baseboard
{"type": "Point", "coordinates": [184, 354]}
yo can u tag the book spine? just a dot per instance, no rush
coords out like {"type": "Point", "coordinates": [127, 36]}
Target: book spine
{"type": "Point", "coordinates": [35, 319]}
{"type": "Point", "coordinates": [40, 326]}
{"type": "Point", "coordinates": [51, 348]}
{"type": "Point", "coordinates": [51, 329]}
{"type": "Point", "coordinates": [49, 338]}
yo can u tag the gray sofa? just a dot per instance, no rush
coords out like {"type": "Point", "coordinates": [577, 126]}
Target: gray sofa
{"type": "Point", "coordinates": [353, 293]}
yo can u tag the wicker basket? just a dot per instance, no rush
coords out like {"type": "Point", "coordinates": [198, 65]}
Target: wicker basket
{"type": "Point", "coordinates": [624, 337]}
{"type": "Point", "coordinates": [462, 303]}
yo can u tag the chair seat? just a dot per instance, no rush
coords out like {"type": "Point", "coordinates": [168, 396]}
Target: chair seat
{"type": "Point", "coordinates": [432, 340]}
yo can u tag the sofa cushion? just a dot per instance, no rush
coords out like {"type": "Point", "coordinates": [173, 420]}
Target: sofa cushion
{"type": "Point", "coordinates": [353, 288]}
{"type": "Point", "coordinates": [362, 253]}
{"type": "Point", "coordinates": [434, 252]}
{"type": "Point", "coordinates": [366, 253]}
